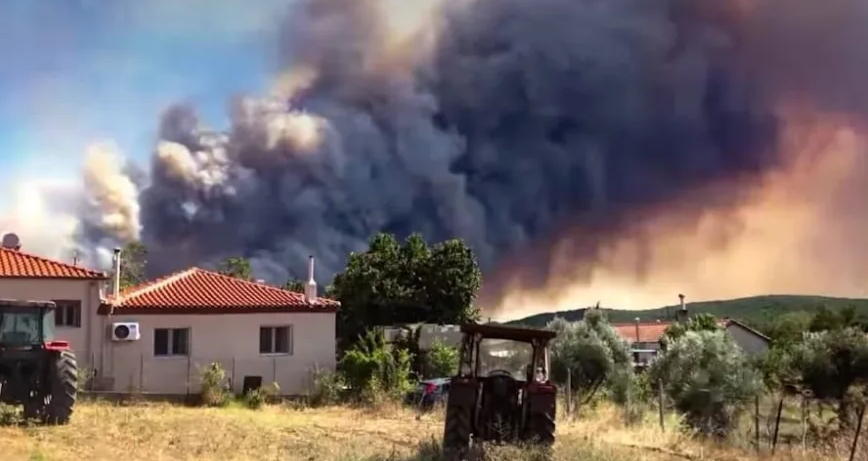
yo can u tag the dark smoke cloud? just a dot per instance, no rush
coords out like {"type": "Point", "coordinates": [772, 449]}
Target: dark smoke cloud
{"type": "Point", "coordinates": [523, 117]}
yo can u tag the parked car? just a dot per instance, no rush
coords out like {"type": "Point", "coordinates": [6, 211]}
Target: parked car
{"type": "Point", "coordinates": [428, 393]}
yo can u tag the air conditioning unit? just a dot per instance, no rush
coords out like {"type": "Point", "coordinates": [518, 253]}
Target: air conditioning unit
{"type": "Point", "coordinates": [126, 331]}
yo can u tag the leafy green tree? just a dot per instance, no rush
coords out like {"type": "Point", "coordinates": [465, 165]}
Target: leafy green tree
{"type": "Point", "coordinates": [591, 352]}
{"type": "Point", "coordinates": [394, 283]}
{"type": "Point", "coordinates": [831, 364]}
{"type": "Point", "coordinates": [698, 322]}
{"type": "Point", "coordinates": [237, 267]}
{"type": "Point", "coordinates": [294, 285]}
{"type": "Point", "coordinates": [133, 263]}
{"type": "Point", "coordinates": [708, 378]}
{"type": "Point", "coordinates": [788, 329]}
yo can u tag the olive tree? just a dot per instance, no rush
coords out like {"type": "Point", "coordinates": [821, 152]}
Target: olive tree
{"type": "Point", "coordinates": [592, 354]}
{"type": "Point", "coordinates": [708, 379]}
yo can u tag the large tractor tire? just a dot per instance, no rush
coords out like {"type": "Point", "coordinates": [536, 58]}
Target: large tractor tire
{"type": "Point", "coordinates": [456, 433]}
{"type": "Point", "coordinates": [542, 428]}
{"type": "Point", "coordinates": [63, 388]}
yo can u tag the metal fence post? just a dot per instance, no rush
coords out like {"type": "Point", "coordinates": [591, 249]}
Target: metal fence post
{"type": "Point", "coordinates": [142, 373]}
{"type": "Point", "coordinates": [777, 425]}
{"type": "Point", "coordinates": [858, 431]}
{"type": "Point", "coordinates": [232, 378]}
{"type": "Point", "coordinates": [274, 369]}
{"type": "Point", "coordinates": [569, 393]}
{"type": "Point", "coordinates": [189, 368]}
{"type": "Point", "coordinates": [660, 404]}
{"type": "Point", "coordinates": [756, 421]}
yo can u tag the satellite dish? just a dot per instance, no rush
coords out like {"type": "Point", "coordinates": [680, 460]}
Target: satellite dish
{"type": "Point", "coordinates": [11, 241]}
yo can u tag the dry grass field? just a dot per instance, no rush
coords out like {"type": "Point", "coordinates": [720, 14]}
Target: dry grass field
{"type": "Point", "coordinates": [163, 432]}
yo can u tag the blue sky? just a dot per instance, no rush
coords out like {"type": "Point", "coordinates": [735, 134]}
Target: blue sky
{"type": "Point", "coordinates": [76, 71]}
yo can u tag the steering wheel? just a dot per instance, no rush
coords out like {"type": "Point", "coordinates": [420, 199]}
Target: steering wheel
{"type": "Point", "coordinates": [500, 372]}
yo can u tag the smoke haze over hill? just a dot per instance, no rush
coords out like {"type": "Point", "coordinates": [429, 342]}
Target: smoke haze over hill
{"type": "Point", "coordinates": [622, 151]}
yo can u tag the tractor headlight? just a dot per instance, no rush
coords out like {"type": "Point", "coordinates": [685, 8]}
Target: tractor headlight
{"type": "Point", "coordinates": [540, 375]}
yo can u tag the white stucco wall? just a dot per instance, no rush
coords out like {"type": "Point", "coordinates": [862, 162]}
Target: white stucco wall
{"type": "Point", "coordinates": [229, 339]}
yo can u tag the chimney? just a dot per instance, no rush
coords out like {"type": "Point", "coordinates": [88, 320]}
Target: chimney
{"type": "Point", "coordinates": [260, 281]}
{"type": "Point", "coordinates": [116, 284]}
{"type": "Point", "coordinates": [310, 286]}
{"type": "Point", "coordinates": [637, 329]}
{"type": "Point", "coordinates": [681, 316]}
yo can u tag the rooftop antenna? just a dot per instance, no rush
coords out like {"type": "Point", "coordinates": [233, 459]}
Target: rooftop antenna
{"type": "Point", "coordinates": [75, 256]}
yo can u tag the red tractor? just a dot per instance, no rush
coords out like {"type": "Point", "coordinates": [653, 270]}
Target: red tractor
{"type": "Point", "coordinates": [35, 371]}
{"type": "Point", "coordinates": [502, 392]}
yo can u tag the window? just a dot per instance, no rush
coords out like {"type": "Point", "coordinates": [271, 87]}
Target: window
{"type": "Point", "coordinates": [171, 341]}
{"type": "Point", "coordinates": [67, 313]}
{"type": "Point", "coordinates": [275, 340]}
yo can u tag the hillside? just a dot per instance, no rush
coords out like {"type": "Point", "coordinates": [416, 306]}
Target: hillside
{"type": "Point", "coordinates": [757, 310]}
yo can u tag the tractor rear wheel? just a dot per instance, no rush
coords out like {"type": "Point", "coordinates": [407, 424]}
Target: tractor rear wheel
{"type": "Point", "coordinates": [456, 434]}
{"type": "Point", "coordinates": [542, 428]}
{"type": "Point", "coordinates": [63, 387]}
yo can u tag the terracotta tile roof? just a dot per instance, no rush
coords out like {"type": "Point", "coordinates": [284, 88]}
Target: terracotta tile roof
{"type": "Point", "coordinates": [649, 332]}
{"type": "Point", "coordinates": [17, 264]}
{"type": "Point", "coordinates": [198, 291]}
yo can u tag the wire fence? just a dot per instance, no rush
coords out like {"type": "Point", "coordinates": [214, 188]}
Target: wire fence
{"type": "Point", "coordinates": [183, 374]}
{"type": "Point", "coordinates": [771, 421]}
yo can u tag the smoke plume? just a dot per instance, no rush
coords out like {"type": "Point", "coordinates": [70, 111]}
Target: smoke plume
{"type": "Point", "coordinates": [622, 151]}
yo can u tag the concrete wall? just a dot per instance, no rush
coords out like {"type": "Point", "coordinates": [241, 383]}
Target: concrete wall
{"type": "Point", "coordinates": [750, 342]}
{"type": "Point", "coordinates": [231, 340]}
{"type": "Point", "coordinates": [84, 340]}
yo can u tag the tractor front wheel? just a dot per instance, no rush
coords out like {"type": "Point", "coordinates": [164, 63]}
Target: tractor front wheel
{"type": "Point", "coordinates": [63, 387]}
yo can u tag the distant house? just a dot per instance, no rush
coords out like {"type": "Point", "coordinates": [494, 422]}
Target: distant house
{"type": "Point", "coordinates": [644, 338]}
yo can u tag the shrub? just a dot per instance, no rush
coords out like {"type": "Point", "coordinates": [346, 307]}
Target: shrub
{"type": "Point", "coordinates": [373, 366]}
{"type": "Point", "coordinates": [214, 393]}
{"type": "Point", "coordinates": [257, 398]}
{"type": "Point", "coordinates": [328, 388]}
{"type": "Point", "coordinates": [707, 378]}
{"type": "Point", "coordinates": [440, 360]}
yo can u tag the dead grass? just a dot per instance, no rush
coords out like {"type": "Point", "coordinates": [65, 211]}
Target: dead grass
{"type": "Point", "coordinates": [157, 432]}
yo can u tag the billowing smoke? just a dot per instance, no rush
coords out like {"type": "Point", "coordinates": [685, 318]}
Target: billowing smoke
{"type": "Point", "coordinates": [623, 150]}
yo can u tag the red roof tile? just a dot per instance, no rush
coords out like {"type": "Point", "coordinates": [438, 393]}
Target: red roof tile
{"type": "Point", "coordinates": [197, 291]}
{"type": "Point", "coordinates": [648, 332]}
{"type": "Point", "coordinates": [17, 264]}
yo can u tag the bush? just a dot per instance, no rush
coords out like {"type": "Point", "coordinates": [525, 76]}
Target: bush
{"type": "Point", "coordinates": [257, 398]}
{"type": "Point", "coordinates": [373, 367]}
{"type": "Point", "coordinates": [214, 392]}
{"type": "Point", "coordinates": [328, 389]}
{"type": "Point", "coordinates": [707, 378]}
{"type": "Point", "coordinates": [440, 360]}
{"type": "Point", "coordinates": [593, 355]}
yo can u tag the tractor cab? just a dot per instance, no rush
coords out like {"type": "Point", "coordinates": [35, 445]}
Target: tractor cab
{"type": "Point", "coordinates": [502, 391]}
{"type": "Point", "coordinates": [25, 324]}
